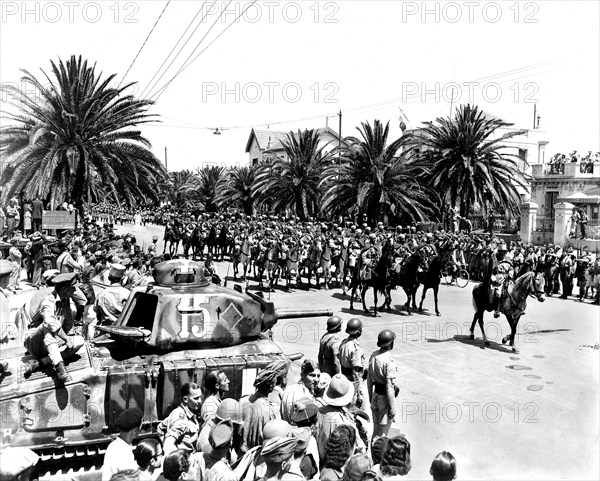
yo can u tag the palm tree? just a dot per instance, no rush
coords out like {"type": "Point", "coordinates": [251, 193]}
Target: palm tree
{"type": "Point", "coordinates": [467, 162]}
{"type": "Point", "coordinates": [236, 189]}
{"type": "Point", "coordinates": [79, 140]}
{"type": "Point", "coordinates": [183, 189]}
{"type": "Point", "coordinates": [374, 178]}
{"type": "Point", "coordinates": [293, 184]}
{"type": "Point", "coordinates": [209, 178]}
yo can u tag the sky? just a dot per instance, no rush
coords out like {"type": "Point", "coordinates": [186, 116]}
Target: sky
{"type": "Point", "coordinates": [284, 65]}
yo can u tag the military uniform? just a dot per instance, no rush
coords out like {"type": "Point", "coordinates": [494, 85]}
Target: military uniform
{"type": "Point", "coordinates": [352, 357]}
{"type": "Point", "coordinates": [183, 426]}
{"type": "Point", "coordinates": [381, 368]}
{"type": "Point", "coordinates": [329, 348]}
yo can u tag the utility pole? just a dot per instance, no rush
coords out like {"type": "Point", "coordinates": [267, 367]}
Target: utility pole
{"type": "Point", "coordinates": [534, 115]}
{"type": "Point", "coordinates": [451, 102]}
{"type": "Point", "coordinates": [166, 162]}
{"type": "Point", "coordinates": [339, 151]}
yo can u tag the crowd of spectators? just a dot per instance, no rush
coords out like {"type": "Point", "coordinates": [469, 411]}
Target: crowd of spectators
{"type": "Point", "coordinates": [586, 163]}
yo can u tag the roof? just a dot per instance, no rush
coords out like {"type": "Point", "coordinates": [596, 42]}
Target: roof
{"type": "Point", "coordinates": [271, 139]}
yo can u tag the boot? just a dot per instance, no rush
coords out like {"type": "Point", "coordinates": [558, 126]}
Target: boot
{"type": "Point", "coordinates": [34, 365]}
{"type": "Point", "coordinates": [62, 373]}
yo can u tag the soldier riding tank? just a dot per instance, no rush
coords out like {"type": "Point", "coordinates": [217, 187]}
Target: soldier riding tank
{"type": "Point", "coordinates": [170, 332]}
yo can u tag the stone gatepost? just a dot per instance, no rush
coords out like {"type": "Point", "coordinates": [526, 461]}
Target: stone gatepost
{"type": "Point", "coordinates": [528, 219]}
{"type": "Point", "coordinates": [562, 222]}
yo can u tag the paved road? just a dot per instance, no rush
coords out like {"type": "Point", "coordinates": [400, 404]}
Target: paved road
{"type": "Point", "coordinates": [532, 415]}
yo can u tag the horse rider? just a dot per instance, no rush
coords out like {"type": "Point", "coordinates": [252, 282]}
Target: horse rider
{"type": "Point", "coordinates": [502, 274]}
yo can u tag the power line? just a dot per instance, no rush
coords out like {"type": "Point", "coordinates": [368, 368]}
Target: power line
{"type": "Point", "coordinates": [161, 91]}
{"type": "Point", "coordinates": [149, 86]}
{"type": "Point", "coordinates": [142, 47]}
{"type": "Point", "coordinates": [390, 103]}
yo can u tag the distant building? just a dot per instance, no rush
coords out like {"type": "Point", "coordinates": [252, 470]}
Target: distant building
{"type": "Point", "coordinates": [263, 143]}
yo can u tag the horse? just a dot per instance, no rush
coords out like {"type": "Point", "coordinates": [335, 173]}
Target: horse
{"type": "Point", "coordinates": [292, 265]}
{"type": "Point", "coordinates": [512, 305]}
{"type": "Point", "coordinates": [272, 265]}
{"type": "Point", "coordinates": [241, 255]}
{"type": "Point", "coordinates": [198, 242]}
{"type": "Point", "coordinates": [325, 265]}
{"type": "Point", "coordinates": [312, 261]}
{"type": "Point", "coordinates": [430, 279]}
{"type": "Point", "coordinates": [222, 243]}
{"type": "Point", "coordinates": [340, 263]}
{"type": "Point", "coordinates": [366, 276]}
{"type": "Point", "coordinates": [172, 238]}
{"type": "Point", "coordinates": [211, 240]}
{"type": "Point", "coordinates": [405, 278]}
{"type": "Point", "coordinates": [186, 239]}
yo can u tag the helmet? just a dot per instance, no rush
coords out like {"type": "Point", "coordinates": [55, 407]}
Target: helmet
{"type": "Point", "coordinates": [333, 323]}
{"type": "Point", "coordinates": [354, 325]}
{"type": "Point", "coordinates": [385, 338]}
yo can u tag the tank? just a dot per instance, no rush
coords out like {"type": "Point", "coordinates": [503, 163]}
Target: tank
{"type": "Point", "coordinates": [171, 332]}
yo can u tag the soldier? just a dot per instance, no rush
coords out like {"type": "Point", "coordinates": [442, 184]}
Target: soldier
{"type": "Point", "coordinates": [567, 270]}
{"type": "Point", "coordinates": [15, 256]}
{"type": "Point", "coordinates": [110, 301]}
{"type": "Point", "coordinates": [303, 390]}
{"type": "Point", "coordinates": [152, 248]}
{"type": "Point", "coordinates": [329, 347]}
{"type": "Point", "coordinates": [381, 378]}
{"type": "Point", "coordinates": [181, 428]}
{"type": "Point", "coordinates": [502, 275]}
{"type": "Point", "coordinates": [49, 343]}
{"type": "Point", "coordinates": [352, 357]}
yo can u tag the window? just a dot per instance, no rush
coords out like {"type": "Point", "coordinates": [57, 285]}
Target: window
{"type": "Point", "coordinates": [254, 161]}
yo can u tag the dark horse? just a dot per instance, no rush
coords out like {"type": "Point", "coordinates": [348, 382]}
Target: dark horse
{"type": "Point", "coordinates": [406, 278]}
{"type": "Point", "coordinates": [375, 277]}
{"type": "Point", "coordinates": [430, 279]}
{"type": "Point", "coordinates": [512, 305]}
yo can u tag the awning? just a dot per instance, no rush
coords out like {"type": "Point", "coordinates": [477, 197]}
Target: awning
{"type": "Point", "coordinates": [580, 198]}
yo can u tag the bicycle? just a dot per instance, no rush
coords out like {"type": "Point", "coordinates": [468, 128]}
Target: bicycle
{"type": "Point", "coordinates": [461, 277]}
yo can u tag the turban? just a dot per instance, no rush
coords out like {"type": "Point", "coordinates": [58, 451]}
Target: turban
{"type": "Point", "coordinates": [279, 449]}
{"type": "Point", "coordinates": [265, 377]}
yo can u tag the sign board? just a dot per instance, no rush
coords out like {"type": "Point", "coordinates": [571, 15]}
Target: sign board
{"type": "Point", "coordinates": [58, 219]}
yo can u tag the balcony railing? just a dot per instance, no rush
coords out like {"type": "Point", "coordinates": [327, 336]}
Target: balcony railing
{"type": "Point", "coordinates": [582, 170]}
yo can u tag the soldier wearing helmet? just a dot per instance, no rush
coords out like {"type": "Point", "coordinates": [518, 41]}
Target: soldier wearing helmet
{"type": "Point", "coordinates": [352, 357]}
{"type": "Point", "coordinates": [329, 347]}
{"type": "Point", "coordinates": [381, 379]}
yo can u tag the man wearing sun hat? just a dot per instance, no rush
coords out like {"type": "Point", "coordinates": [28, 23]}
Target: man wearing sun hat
{"type": "Point", "coordinates": [381, 385]}
{"type": "Point", "coordinates": [49, 343]}
{"type": "Point", "coordinates": [337, 398]}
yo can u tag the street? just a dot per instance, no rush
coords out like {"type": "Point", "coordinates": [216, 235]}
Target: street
{"type": "Point", "coordinates": [531, 415]}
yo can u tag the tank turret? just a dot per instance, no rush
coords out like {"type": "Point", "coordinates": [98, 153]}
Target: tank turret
{"type": "Point", "coordinates": [171, 332]}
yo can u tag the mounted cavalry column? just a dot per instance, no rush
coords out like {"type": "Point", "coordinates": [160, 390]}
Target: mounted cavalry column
{"type": "Point", "coordinates": [528, 221]}
{"type": "Point", "coordinates": [562, 222]}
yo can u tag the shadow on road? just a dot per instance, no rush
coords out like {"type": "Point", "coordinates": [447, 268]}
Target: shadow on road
{"type": "Point", "coordinates": [477, 343]}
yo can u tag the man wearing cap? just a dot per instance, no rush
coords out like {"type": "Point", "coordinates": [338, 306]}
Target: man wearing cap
{"type": "Point", "coordinates": [153, 248]}
{"type": "Point", "coordinates": [381, 386]}
{"type": "Point", "coordinates": [352, 357]}
{"type": "Point", "coordinates": [214, 465]}
{"type": "Point", "coordinates": [303, 389]}
{"type": "Point", "coordinates": [228, 410]}
{"type": "Point", "coordinates": [49, 343]}
{"type": "Point", "coordinates": [567, 270]}
{"type": "Point", "coordinates": [110, 301]}
{"type": "Point", "coordinates": [180, 429]}
{"type": "Point", "coordinates": [329, 347]}
{"type": "Point", "coordinates": [338, 397]}
{"type": "Point", "coordinates": [119, 453]}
